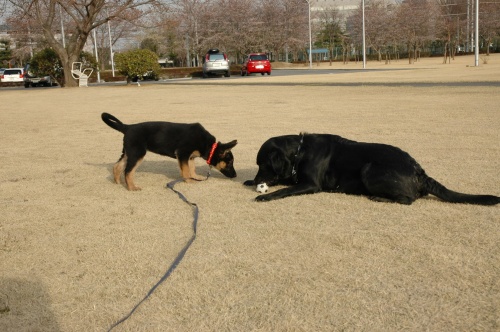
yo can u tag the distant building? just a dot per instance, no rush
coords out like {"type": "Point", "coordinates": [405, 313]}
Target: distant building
{"type": "Point", "coordinates": [340, 5]}
{"type": "Point", "coordinates": [4, 35]}
{"type": "Point", "coordinates": [165, 62]}
{"type": "Point", "coordinates": [343, 6]}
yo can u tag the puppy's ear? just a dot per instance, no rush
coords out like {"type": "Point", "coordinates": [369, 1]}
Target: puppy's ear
{"type": "Point", "coordinates": [226, 147]}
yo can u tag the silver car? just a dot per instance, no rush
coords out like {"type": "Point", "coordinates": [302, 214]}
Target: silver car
{"type": "Point", "coordinates": [217, 63]}
{"type": "Point", "coordinates": [33, 80]}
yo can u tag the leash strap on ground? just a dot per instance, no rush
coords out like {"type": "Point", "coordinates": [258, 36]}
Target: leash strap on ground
{"type": "Point", "coordinates": [177, 260]}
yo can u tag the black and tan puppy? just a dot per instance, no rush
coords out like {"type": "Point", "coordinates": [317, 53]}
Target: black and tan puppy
{"type": "Point", "coordinates": [311, 163]}
{"type": "Point", "coordinates": [176, 140]}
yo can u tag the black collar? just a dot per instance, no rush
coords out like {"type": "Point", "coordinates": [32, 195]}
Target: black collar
{"type": "Point", "coordinates": [296, 159]}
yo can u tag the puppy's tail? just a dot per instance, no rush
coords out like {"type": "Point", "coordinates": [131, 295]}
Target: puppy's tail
{"type": "Point", "coordinates": [113, 122]}
{"type": "Point", "coordinates": [437, 189]}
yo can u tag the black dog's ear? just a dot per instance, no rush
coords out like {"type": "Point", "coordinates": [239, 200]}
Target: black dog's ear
{"type": "Point", "coordinates": [226, 147]}
{"type": "Point", "coordinates": [280, 163]}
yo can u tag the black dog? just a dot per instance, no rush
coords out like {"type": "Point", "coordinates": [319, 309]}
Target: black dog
{"type": "Point", "coordinates": [177, 140]}
{"type": "Point", "coordinates": [311, 163]}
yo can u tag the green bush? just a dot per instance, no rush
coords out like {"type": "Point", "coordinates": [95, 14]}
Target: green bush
{"type": "Point", "coordinates": [137, 63]}
{"type": "Point", "coordinates": [47, 62]}
{"type": "Point", "coordinates": [88, 60]}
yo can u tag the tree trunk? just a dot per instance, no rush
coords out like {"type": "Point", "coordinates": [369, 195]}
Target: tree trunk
{"type": "Point", "coordinates": [69, 81]}
{"type": "Point", "coordinates": [67, 62]}
{"type": "Point", "coordinates": [445, 49]}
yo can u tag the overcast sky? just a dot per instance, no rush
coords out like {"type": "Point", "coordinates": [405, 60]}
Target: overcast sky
{"type": "Point", "coordinates": [4, 7]}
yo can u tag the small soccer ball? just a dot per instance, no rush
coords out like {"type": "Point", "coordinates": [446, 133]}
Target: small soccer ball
{"type": "Point", "coordinates": [262, 188]}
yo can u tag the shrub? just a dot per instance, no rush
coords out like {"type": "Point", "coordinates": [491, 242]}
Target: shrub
{"type": "Point", "coordinates": [137, 63]}
{"type": "Point", "coordinates": [88, 60]}
{"type": "Point", "coordinates": [47, 62]}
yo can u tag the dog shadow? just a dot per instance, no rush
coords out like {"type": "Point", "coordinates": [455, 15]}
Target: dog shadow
{"type": "Point", "coordinates": [26, 306]}
{"type": "Point", "coordinates": [170, 169]}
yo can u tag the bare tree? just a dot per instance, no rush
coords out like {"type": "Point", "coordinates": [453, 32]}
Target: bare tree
{"type": "Point", "coordinates": [107, 36]}
{"type": "Point", "coordinates": [167, 39]}
{"type": "Point", "coordinates": [82, 16]}
{"type": "Point", "coordinates": [193, 16]}
{"type": "Point", "coordinates": [240, 26]}
{"type": "Point", "coordinates": [346, 43]}
{"type": "Point", "coordinates": [236, 26]}
{"type": "Point", "coordinates": [393, 41]}
{"type": "Point", "coordinates": [378, 18]}
{"type": "Point", "coordinates": [489, 22]}
{"type": "Point", "coordinates": [285, 23]}
{"type": "Point", "coordinates": [415, 24]}
{"type": "Point", "coordinates": [446, 27]}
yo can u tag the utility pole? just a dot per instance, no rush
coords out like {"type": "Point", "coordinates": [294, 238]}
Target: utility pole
{"type": "Point", "coordinates": [62, 27]}
{"type": "Point", "coordinates": [364, 39]}
{"type": "Point", "coordinates": [111, 49]}
{"type": "Point", "coordinates": [97, 57]}
{"type": "Point", "coordinates": [310, 35]}
{"type": "Point", "coordinates": [476, 35]}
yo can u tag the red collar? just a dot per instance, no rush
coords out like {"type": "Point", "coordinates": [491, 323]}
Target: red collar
{"type": "Point", "coordinates": [214, 146]}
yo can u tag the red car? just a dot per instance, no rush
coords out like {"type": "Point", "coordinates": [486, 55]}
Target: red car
{"type": "Point", "coordinates": [256, 63]}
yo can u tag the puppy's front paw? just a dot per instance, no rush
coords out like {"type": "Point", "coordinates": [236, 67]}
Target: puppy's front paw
{"type": "Point", "coordinates": [249, 183]}
{"type": "Point", "coordinates": [198, 177]}
{"type": "Point", "coordinates": [134, 188]}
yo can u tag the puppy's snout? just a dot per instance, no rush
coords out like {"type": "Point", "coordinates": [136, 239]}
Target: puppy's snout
{"type": "Point", "coordinates": [230, 173]}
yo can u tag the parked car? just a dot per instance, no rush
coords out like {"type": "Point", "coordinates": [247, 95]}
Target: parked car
{"type": "Point", "coordinates": [12, 75]}
{"type": "Point", "coordinates": [147, 76]}
{"type": "Point", "coordinates": [256, 63]}
{"type": "Point", "coordinates": [216, 62]}
{"type": "Point", "coordinates": [33, 80]}
{"type": "Point", "coordinates": [2, 70]}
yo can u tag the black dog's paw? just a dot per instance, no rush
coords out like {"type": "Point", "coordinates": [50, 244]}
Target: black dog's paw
{"type": "Point", "coordinates": [263, 198]}
{"type": "Point", "coordinates": [249, 183]}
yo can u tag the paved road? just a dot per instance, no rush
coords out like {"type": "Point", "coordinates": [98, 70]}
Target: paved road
{"type": "Point", "coordinates": [258, 79]}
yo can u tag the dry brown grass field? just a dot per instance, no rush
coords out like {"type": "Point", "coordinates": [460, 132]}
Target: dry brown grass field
{"type": "Point", "coordinates": [78, 252]}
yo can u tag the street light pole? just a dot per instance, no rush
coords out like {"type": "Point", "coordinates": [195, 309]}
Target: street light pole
{"type": "Point", "coordinates": [476, 36]}
{"type": "Point", "coordinates": [62, 27]}
{"type": "Point", "coordinates": [310, 35]}
{"type": "Point", "coordinates": [96, 57]}
{"type": "Point", "coordinates": [364, 39]}
{"type": "Point", "coordinates": [111, 50]}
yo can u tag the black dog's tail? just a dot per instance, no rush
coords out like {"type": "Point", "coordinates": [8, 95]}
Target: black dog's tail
{"type": "Point", "coordinates": [437, 189]}
{"type": "Point", "coordinates": [113, 122]}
